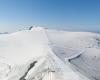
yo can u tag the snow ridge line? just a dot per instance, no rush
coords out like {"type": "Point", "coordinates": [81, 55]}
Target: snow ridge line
{"type": "Point", "coordinates": [74, 56]}
{"type": "Point", "coordinates": [63, 67]}
{"type": "Point", "coordinates": [57, 58]}
{"type": "Point", "coordinates": [69, 58]}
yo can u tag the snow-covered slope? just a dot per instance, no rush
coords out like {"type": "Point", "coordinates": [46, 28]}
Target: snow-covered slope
{"type": "Point", "coordinates": [43, 54]}
{"type": "Point", "coordinates": [81, 48]}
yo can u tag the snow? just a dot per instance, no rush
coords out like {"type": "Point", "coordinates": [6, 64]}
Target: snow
{"type": "Point", "coordinates": [22, 46]}
{"type": "Point", "coordinates": [43, 54]}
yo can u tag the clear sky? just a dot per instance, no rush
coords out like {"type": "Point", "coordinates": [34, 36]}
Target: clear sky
{"type": "Point", "coordinates": [65, 14]}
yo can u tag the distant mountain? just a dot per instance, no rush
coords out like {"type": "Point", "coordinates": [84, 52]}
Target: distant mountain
{"type": "Point", "coordinates": [4, 33]}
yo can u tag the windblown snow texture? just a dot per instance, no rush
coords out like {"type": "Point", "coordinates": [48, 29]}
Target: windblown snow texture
{"type": "Point", "coordinates": [43, 54]}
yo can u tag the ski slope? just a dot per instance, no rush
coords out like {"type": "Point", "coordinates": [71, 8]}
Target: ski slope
{"type": "Point", "coordinates": [43, 54]}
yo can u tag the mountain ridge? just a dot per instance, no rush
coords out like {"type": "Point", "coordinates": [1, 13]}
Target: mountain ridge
{"type": "Point", "coordinates": [56, 52]}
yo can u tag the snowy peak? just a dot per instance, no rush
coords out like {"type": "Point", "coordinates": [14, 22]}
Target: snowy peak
{"type": "Point", "coordinates": [38, 28]}
{"type": "Point", "coordinates": [46, 54]}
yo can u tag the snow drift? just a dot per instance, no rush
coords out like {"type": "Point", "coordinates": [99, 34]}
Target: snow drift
{"type": "Point", "coordinates": [43, 54]}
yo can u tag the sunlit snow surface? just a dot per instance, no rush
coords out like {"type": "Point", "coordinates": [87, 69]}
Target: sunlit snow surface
{"type": "Point", "coordinates": [43, 54]}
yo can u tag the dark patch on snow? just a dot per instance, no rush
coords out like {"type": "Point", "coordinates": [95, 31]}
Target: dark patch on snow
{"type": "Point", "coordinates": [98, 42]}
{"type": "Point", "coordinates": [31, 66]}
{"type": "Point", "coordinates": [74, 58]}
{"type": "Point", "coordinates": [30, 27]}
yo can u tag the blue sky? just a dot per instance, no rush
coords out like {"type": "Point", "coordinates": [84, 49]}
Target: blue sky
{"type": "Point", "coordinates": [83, 15]}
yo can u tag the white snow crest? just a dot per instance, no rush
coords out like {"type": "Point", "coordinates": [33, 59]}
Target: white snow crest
{"type": "Point", "coordinates": [43, 54]}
